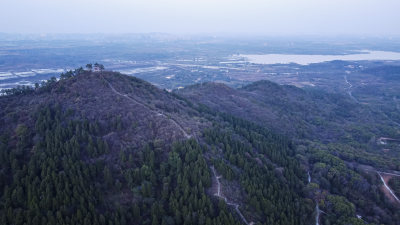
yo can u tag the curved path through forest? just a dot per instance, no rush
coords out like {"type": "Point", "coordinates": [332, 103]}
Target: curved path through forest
{"type": "Point", "coordinates": [349, 89]}
{"type": "Point", "coordinates": [187, 136]}
{"type": "Point", "coordinates": [219, 195]}
{"type": "Point", "coordinates": [388, 189]}
{"type": "Point", "coordinates": [387, 186]}
{"type": "Point", "coordinates": [316, 203]}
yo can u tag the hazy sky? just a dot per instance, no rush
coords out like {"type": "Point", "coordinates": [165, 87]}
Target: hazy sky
{"type": "Point", "coordinates": [265, 17]}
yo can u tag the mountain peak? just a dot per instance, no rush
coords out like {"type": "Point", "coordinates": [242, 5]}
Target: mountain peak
{"type": "Point", "coordinates": [139, 110]}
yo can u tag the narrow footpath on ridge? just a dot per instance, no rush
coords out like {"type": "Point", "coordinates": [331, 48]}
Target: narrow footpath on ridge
{"type": "Point", "coordinates": [187, 136]}
{"type": "Point", "coordinates": [220, 195]}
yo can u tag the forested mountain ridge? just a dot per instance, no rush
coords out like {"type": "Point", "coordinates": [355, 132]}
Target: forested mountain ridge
{"type": "Point", "coordinates": [306, 115]}
{"type": "Point", "coordinates": [336, 140]}
{"type": "Point", "coordinates": [136, 110]}
{"type": "Point", "coordinates": [282, 106]}
{"type": "Point", "coordinates": [106, 148]}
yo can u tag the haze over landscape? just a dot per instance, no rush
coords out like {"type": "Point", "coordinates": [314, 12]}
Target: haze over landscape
{"type": "Point", "coordinates": [199, 112]}
{"type": "Point", "coordinates": [246, 18]}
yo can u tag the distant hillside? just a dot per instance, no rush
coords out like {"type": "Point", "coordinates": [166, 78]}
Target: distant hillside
{"type": "Point", "coordinates": [294, 111]}
{"type": "Point", "coordinates": [306, 115]}
{"type": "Point", "coordinates": [389, 73]}
{"type": "Point", "coordinates": [333, 134]}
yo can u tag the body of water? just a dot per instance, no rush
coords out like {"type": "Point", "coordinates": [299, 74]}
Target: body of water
{"type": "Point", "coordinates": [309, 59]}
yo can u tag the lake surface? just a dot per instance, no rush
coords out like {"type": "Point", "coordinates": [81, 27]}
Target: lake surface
{"type": "Point", "coordinates": [309, 59]}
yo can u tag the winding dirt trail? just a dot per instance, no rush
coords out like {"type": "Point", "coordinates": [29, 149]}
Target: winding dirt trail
{"type": "Point", "coordinates": [387, 173]}
{"type": "Point", "coordinates": [389, 191]}
{"type": "Point", "coordinates": [219, 195]}
{"type": "Point", "coordinates": [349, 88]}
{"type": "Point", "coordinates": [158, 113]}
{"type": "Point", "coordinates": [387, 186]}
{"type": "Point", "coordinates": [318, 214]}
{"type": "Point", "coordinates": [316, 203]}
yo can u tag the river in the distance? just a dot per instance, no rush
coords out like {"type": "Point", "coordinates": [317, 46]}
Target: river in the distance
{"type": "Point", "coordinates": [309, 59]}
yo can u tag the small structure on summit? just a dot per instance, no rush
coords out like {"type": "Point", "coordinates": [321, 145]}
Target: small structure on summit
{"type": "Point", "coordinates": [96, 67]}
